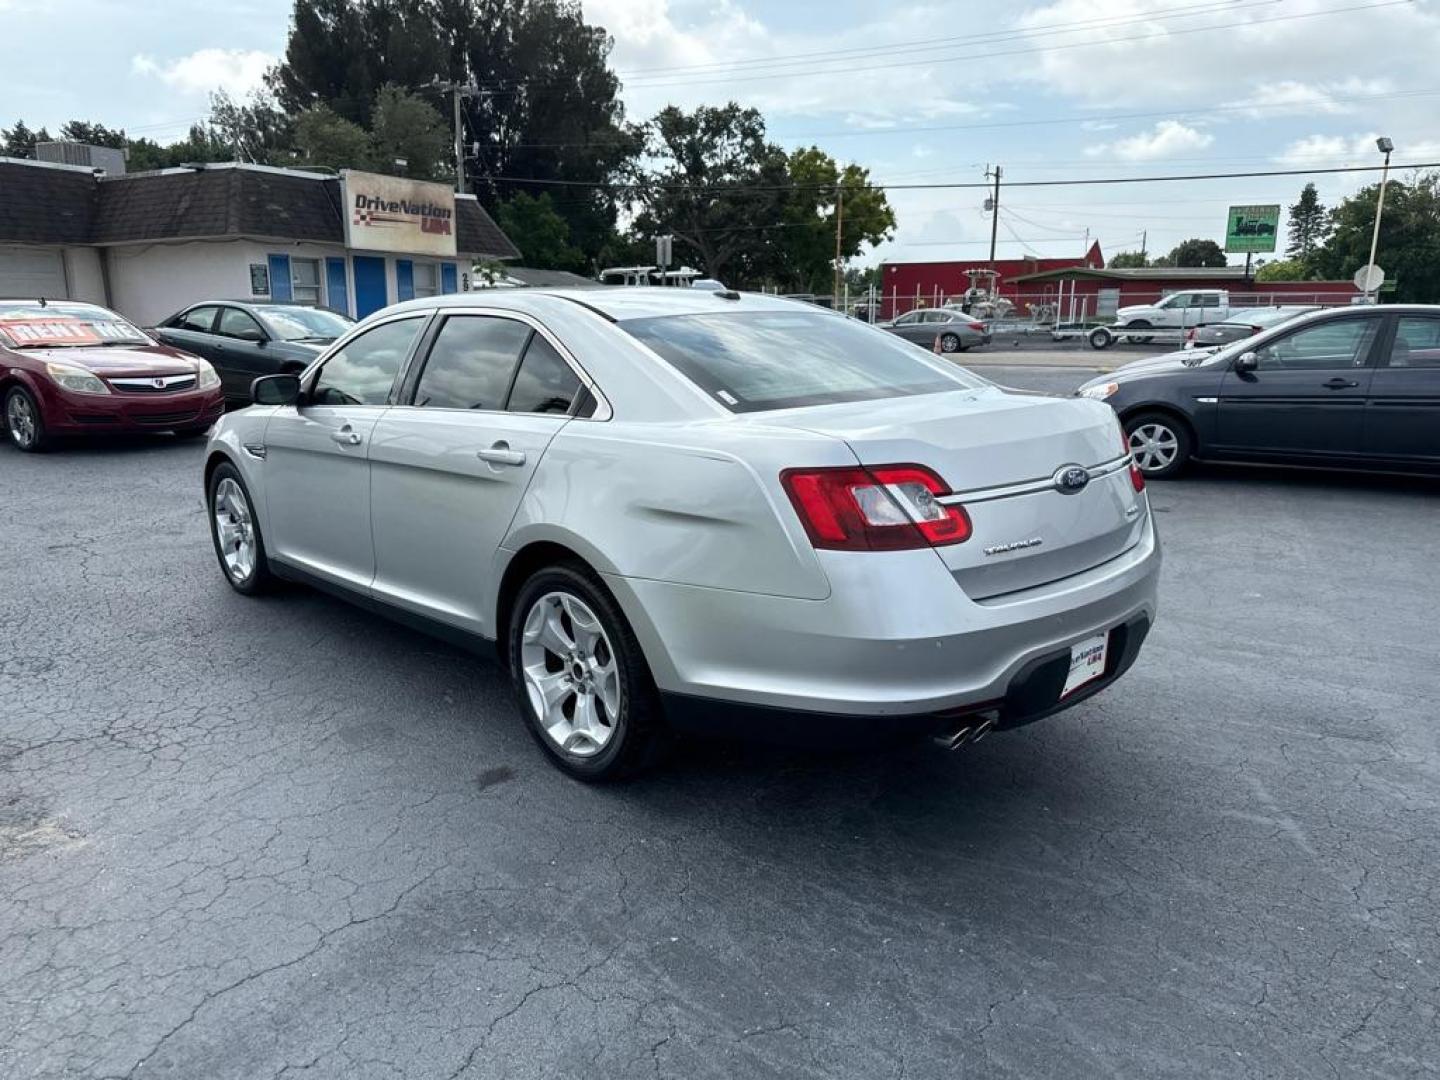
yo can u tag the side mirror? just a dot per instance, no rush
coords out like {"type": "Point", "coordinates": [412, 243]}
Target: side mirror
{"type": "Point", "coordinates": [252, 335]}
{"type": "Point", "coordinates": [276, 390]}
{"type": "Point", "coordinates": [1247, 361]}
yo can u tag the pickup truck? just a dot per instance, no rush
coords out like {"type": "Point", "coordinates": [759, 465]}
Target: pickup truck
{"type": "Point", "coordinates": [1178, 311]}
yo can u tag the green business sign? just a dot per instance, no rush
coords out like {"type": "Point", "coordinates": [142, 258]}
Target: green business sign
{"type": "Point", "coordinates": [1252, 228]}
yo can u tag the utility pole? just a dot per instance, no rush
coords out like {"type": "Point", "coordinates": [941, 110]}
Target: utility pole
{"type": "Point", "coordinates": [1144, 236]}
{"type": "Point", "coordinates": [994, 212]}
{"type": "Point", "coordinates": [459, 145]}
{"type": "Point", "coordinates": [1385, 146]}
{"type": "Point", "coordinates": [839, 220]}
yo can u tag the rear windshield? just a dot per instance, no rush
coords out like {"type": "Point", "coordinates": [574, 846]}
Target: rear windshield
{"type": "Point", "coordinates": [32, 325]}
{"type": "Point", "coordinates": [304, 324]}
{"type": "Point", "coordinates": [754, 361]}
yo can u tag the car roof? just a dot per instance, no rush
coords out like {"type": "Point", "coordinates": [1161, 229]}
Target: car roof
{"type": "Point", "coordinates": [617, 302]}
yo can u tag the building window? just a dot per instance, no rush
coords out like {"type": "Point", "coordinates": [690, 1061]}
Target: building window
{"type": "Point", "coordinates": [427, 279]}
{"type": "Point", "coordinates": [305, 281]}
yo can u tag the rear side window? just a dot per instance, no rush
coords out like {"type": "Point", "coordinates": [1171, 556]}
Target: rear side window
{"type": "Point", "coordinates": [200, 320]}
{"type": "Point", "coordinates": [471, 363]}
{"type": "Point", "coordinates": [755, 361]}
{"type": "Point", "coordinates": [363, 372]}
{"type": "Point", "coordinates": [544, 383]}
{"type": "Point", "coordinates": [1417, 343]}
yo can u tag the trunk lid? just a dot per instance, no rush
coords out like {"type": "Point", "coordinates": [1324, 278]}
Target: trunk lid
{"type": "Point", "coordinates": [1000, 452]}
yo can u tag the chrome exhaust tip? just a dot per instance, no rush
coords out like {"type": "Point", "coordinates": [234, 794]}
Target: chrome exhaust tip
{"type": "Point", "coordinates": [986, 726]}
{"type": "Point", "coordinates": [956, 739]}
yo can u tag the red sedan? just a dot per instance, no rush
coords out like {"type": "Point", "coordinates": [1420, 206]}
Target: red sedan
{"type": "Point", "coordinates": [78, 369]}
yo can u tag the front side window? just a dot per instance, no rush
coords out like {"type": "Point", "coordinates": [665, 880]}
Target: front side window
{"type": "Point", "coordinates": [471, 362]}
{"type": "Point", "coordinates": [754, 361]}
{"type": "Point", "coordinates": [305, 281]}
{"type": "Point", "coordinates": [1342, 343]}
{"type": "Point", "coordinates": [237, 324]}
{"type": "Point", "coordinates": [544, 383]}
{"type": "Point", "coordinates": [909, 318]}
{"type": "Point", "coordinates": [363, 372]}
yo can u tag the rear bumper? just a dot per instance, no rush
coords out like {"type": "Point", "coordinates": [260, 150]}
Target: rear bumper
{"type": "Point", "coordinates": [896, 638]}
{"type": "Point", "coordinates": [76, 414]}
{"type": "Point", "coordinates": [1033, 694]}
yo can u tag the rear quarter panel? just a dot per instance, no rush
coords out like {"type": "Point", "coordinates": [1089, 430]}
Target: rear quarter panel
{"type": "Point", "coordinates": [693, 504]}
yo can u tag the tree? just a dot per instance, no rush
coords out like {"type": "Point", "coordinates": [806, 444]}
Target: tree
{"type": "Point", "coordinates": [805, 250]}
{"type": "Point", "coordinates": [1308, 225]}
{"type": "Point", "coordinates": [717, 185]}
{"type": "Point", "coordinates": [405, 127]}
{"type": "Point", "coordinates": [19, 141]}
{"type": "Point", "coordinates": [1126, 260]}
{"type": "Point", "coordinates": [1282, 270]}
{"type": "Point", "coordinates": [327, 139]}
{"type": "Point", "coordinates": [82, 131]}
{"type": "Point", "coordinates": [255, 130]}
{"type": "Point", "coordinates": [1409, 247]}
{"type": "Point", "coordinates": [539, 232]}
{"type": "Point", "coordinates": [1194, 252]}
{"type": "Point", "coordinates": [549, 107]}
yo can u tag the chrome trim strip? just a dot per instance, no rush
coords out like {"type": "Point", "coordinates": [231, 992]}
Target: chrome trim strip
{"type": "Point", "coordinates": [255, 450]}
{"type": "Point", "coordinates": [1206, 400]}
{"type": "Point", "coordinates": [1028, 487]}
{"type": "Point", "coordinates": [148, 382]}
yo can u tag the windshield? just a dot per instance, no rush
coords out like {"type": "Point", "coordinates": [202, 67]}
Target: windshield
{"type": "Point", "coordinates": [755, 361]}
{"type": "Point", "coordinates": [303, 323]}
{"type": "Point", "coordinates": [32, 325]}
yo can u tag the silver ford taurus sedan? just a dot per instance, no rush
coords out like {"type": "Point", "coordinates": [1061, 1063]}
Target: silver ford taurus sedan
{"type": "Point", "coordinates": [699, 511]}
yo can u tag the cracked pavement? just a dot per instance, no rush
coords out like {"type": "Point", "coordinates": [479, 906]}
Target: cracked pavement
{"type": "Point", "coordinates": [286, 838]}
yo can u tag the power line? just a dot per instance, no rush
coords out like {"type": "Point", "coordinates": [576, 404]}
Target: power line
{"type": "Point", "coordinates": [812, 71]}
{"type": "Point", "coordinates": [964, 185]}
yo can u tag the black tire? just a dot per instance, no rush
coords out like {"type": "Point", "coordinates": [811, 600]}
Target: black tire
{"type": "Point", "coordinates": [950, 343]}
{"type": "Point", "coordinates": [1149, 425]}
{"type": "Point", "coordinates": [35, 439]}
{"type": "Point", "coordinates": [259, 579]}
{"type": "Point", "coordinates": [1100, 338]}
{"type": "Point", "coordinates": [638, 735]}
{"type": "Point", "coordinates": [1140, 324]}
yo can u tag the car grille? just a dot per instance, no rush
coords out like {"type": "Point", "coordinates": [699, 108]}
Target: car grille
{"type": "Point", "coordinates": [168, 384]}
{"type": "Point", "coordinates": [160, 419]}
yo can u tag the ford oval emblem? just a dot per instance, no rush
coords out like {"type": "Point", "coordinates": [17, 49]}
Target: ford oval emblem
{"type": "Point", "coordinates": [1071, 479]}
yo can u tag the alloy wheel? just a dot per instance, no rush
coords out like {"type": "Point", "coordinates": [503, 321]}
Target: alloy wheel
{"type": "Point", "coordinates": [20, 418]}
{"type": "Point", "coordinates": [949, 343]}
{"type": "Point", "coordinates": [1154, 447]}
{"type": "Point", "coordinates": [235, 529]}
{"type": "Point", "coordinates": [571, 675]}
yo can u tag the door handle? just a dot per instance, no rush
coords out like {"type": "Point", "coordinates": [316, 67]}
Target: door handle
{"type": "Point", "coordinates": [346, 437]}
{"type": "Point", "coordinates": [501, 454]}
{"type": "Point", "coordinates": [1339, 384]}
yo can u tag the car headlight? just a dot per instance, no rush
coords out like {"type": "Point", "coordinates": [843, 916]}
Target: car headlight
{"type": "Point", "coordinates": [1100, 392]}
{"type": "Point", "coordinates": [208, 378]}
{"type": "Point", "coordinates": [75, 379]}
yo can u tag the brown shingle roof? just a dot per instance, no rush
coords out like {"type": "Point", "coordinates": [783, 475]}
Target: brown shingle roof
{"type": "Point", "coordinates": [45, 205]}
{"type": "Point", "coordinates": [64, 206]}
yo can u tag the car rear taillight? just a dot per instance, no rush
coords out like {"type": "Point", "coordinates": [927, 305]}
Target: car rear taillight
{"type": "Point", "coordinates": [879, 508]}
{"type": "Point", "coordinates": [978, 326]}
{"type": "Point", "coordinates": [1137, 478]}
{"type": "Point", "coordinates": [1191, 335]}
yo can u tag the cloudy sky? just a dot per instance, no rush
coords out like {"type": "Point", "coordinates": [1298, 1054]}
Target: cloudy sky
{"type": "Point", "coordinates": [920, 93]}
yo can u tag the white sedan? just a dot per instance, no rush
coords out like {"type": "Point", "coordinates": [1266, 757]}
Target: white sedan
{"type": "Point", "coordinates": [676, 509]}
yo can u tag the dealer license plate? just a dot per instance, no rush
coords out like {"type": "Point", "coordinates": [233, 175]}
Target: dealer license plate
{"type": "Point", "coordinates": [1087, 662]}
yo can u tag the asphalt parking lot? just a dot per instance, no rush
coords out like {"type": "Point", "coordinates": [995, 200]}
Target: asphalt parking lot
{"type": "Point", "coordinates": [285, 837]}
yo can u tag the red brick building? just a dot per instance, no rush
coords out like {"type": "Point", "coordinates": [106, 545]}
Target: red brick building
{"type": "Point", "coordinates": [906, 285]}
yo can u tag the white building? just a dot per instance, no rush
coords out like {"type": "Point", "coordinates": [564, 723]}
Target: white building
{"type": "Point", "coordinates": [148, 244]}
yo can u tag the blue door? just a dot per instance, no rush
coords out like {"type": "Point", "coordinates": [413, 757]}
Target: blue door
{"type": "Point", "coordinates": [337, 295]}
{"type": "Point", "coordinates": [447, 278]}
{"type": "Point", "coordinates": [279, 277]}
{"type": "Point", "coordinates": [370, 292]}
{"type": "Point", "coordinates": [404, 279]}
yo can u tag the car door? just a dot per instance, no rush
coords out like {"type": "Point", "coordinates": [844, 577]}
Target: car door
{"type": "Point", "coordinates": [317, 467]}
{"type": "Point", "coordinates": [1402, 413]}
{"type": "Point", "coordinates": [242, 352]}
{"type": "Point", "coordinates": [452, 462]}
{"type": "Point", "coordinates": [193, 331]}
{"type": "Point", "coordinates": [910, 326]}
{"type": "Point", "coordinates": [1306, 395]}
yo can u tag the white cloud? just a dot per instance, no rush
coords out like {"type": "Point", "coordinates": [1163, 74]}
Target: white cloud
{"type": "Point", "coordinates": [236, 71]}
{"type": "Point", "coordinates": [1165, 139]}
{"type": "Point", "coordinates": [1319, 151]}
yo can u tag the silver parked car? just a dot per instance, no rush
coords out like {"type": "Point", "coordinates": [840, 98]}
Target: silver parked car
{"type": "Point", "coordinates": [944, 329]}
{"type": "Point", "coordinates": [676, 509]}
{"type": "Point", "coordinates": [1243, 324]}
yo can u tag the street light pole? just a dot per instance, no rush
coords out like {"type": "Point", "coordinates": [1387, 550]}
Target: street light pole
{"type": "Point", "coordinates": [1385, 146]}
